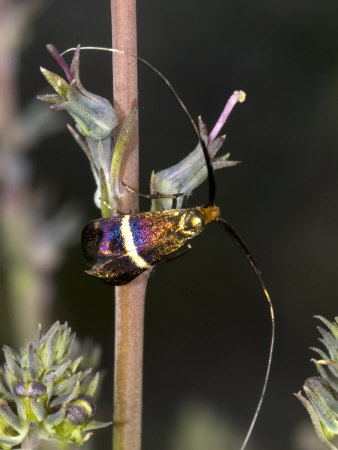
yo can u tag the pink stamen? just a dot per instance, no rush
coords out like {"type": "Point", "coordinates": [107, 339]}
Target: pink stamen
{"type": "Point", "coordinates": [237, 96]}
{"type": "Point", "coordinates": [60, 61]}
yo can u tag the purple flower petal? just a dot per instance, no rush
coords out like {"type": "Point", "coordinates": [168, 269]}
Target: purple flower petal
{"type": "Point", "coordinates": [60, 61]}
{"type": "Point", "coordinates": [237, 96]}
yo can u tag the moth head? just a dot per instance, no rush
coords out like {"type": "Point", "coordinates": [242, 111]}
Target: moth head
{"type": "Point", "coordinates": [92, 236]}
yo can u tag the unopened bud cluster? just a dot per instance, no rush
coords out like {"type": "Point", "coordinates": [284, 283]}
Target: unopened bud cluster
{"type": "Point", "coordinates": [322, 390]}
{"type": "Point", "coordinates": [43, 395]}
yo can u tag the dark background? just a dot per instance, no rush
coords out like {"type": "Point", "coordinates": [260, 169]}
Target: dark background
{"type": "Point", "coordinates": [207, 325]}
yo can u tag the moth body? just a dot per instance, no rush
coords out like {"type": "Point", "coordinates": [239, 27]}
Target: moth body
{"type": "Point", "coordinates": [118, 249]}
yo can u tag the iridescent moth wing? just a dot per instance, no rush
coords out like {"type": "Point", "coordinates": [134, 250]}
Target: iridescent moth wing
{"type": "Point", "coordinates": [118, 249]}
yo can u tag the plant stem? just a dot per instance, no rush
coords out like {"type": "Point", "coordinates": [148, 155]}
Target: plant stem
{"type": "Point", "coordinates": [125, 89]}
{"type": "Point", "coordinates": [129, 313]}
{"type": "Point", "coordinates": [129, 299]}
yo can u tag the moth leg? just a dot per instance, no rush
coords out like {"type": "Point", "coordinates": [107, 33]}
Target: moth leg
{"type": "Point", "coordinates": [154, 196]}
{"type": "Point", "coordinates": [116, 211]}
{"type": "Point", "coordinates": [185, 201]}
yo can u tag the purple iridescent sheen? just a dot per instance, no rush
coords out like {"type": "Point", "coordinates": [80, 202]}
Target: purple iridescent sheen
{"type": "Point", "coordinates": [111, 242]}
{"type": "Point", "coordinates": [155, 236]}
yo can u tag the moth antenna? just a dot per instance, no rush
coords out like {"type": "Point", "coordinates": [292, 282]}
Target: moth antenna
{"type": "Point", "coordinates": [144, 61]}
{"type": "Point", "coordinates": [210, 170]}
{"type": "Point", "coordinates": [236, 237]}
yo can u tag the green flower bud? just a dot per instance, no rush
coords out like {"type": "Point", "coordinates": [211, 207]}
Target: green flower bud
{"type": "Point", "coordinates": [322, 391]}
{"type": "Point", "coordinates": [94, 115]}
{"type": "Point", "coordinates": [322, 398]}
{"type": "Point", "coordinates": [29, 390]}
{"type": "Point", "coordinates": [189, 173]}
{"type": "Point", "coordinates": [12, 429]}
{"type": "Point", "coordinates": [42, 393]}
{"type": "Point", "coordinates": [80, 410]}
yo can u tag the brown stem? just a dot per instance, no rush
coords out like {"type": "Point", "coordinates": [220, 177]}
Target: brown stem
{"type": "Point", "coordinates": [129, 315]}
{"type": "Point", "coordinates": [125, 89]}
{"type": "Point", "coordinates": [129, 299]}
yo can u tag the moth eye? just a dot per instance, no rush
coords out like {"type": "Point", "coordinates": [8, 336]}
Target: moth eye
{"type": "Point", "coordinates": [193, 224]}
{"type": "Point", "coordinates": [196, 222]}
{"type": "Point", "coordinates": [91, 240]}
